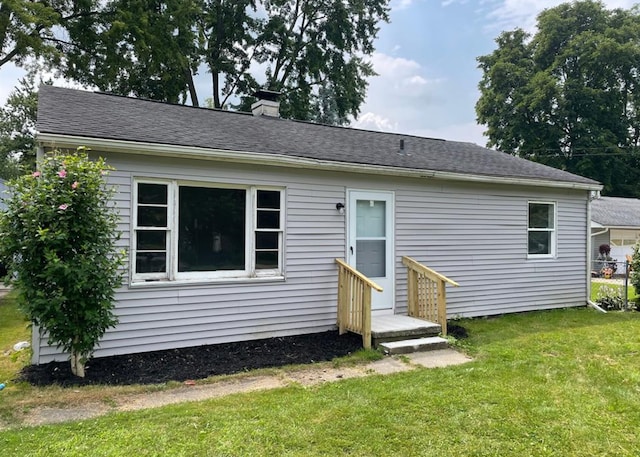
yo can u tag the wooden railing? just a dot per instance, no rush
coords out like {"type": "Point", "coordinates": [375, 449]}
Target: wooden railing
{"type": "Point", "coordinates": [354, 302]}
{"type": "Point", "coordinates": [426, 293]}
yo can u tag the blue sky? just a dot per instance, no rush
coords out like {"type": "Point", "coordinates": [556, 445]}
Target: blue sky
{"type": "Point", "coordinates": [426, 61]}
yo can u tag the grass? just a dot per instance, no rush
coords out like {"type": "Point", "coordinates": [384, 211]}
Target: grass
{"type": "Point", "coordinates": [19, 397]}
{"type": "Point", "coordinates": [559, 383]}
{"type": "Point", "coordinates": [13, 328]}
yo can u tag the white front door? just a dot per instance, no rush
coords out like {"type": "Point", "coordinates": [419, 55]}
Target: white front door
{"type": "Point", "coordinates": [370, 236]}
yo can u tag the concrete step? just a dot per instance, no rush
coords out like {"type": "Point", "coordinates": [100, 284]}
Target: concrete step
{"type": "Point", "coordinates": [415, 345]}
{"type": "Point", "coordinates": [396, 327]}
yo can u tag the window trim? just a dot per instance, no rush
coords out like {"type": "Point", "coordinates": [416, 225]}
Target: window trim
{"type": "Point", "coordinates": [554, 231]}
{"type": "Point", "coordinates": [156, 276]}
{"type": "Point", "coordinates": [172, 274]}
{"type": "Point", "coordinates": [267, 272]}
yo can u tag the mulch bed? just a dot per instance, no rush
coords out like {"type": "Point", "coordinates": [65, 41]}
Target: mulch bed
{"type": "Point", "coordinates": [457, 331]}
{"type": "Point", "coordinates": [197, 362]}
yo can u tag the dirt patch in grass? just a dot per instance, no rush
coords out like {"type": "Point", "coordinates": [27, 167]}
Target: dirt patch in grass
{"type": "Point", "coordinates": [198, 362]}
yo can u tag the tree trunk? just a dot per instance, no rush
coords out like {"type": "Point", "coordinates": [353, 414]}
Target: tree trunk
{"type": "Point", "coordinates": [216, 86]}
{"type": "Point", "coordinates": [77, 364]}
{"type": "Point", "coordinates": [192, 87]}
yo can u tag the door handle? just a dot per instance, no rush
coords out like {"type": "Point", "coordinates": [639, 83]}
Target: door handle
{"type": "Point", "coordinates": [351, 249]}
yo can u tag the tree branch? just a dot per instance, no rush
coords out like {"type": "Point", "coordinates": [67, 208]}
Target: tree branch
{"type": "Point", "coordinates": [9, 56]}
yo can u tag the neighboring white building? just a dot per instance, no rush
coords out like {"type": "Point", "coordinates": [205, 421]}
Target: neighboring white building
{"type": "Point", "coordinates": [615, 221]}
{"type": "Point", "coordinates": [233, 221]}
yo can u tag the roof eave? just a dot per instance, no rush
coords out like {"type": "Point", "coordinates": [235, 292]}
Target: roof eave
{"type": "Point", "coordinates": [168, 150]}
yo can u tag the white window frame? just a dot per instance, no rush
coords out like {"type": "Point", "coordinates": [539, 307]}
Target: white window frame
{"type": "Point", "coordinates": [553, 230]}
{"type": "Point", "coordinates": [254, 198]}
{"type": "Point", "coordinates": [172, 274]}
{"type": "Point", "coordinates": [135, 228]}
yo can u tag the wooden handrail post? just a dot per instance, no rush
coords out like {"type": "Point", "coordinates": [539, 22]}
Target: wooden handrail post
{"type": "Point", "coordinates": [342, 318]}
{"type": "Point", "coordinates": [354, 302]}
{"type": "Point", "coordinates": [442, 306]}
{"type": "Point", "coordinates": [366, 319]}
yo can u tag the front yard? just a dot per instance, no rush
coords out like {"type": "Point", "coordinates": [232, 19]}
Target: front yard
{"type": "Point", "coordinates": [561, 383]}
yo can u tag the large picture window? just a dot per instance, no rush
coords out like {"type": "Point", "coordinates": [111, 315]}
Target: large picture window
{"type": "Point", "coordinates": [185, 231]}
{"type": "Point", "coordinates": [542, 230]}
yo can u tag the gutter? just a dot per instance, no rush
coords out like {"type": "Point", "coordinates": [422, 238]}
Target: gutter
{"type": "Point", "coordinates": [600, 233]}
{"type": "Point", "coordinates": [109, 145]}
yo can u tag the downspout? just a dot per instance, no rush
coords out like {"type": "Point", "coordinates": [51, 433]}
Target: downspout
{"type": "Point", "coordinates": [595, 306]}
{"type": "Point", "coordinates": [39, 153]}
{"type": "Point", "coordinates": [589, 302]}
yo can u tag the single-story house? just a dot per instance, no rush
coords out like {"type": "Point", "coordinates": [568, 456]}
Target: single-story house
{"type": "Point", "coordinates": [615, 221]}
{"type": "Point", "coordinates": [234, 221]}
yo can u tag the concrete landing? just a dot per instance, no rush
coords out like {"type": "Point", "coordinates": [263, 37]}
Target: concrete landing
{"type": "Point", "coordinates": [394, 327]}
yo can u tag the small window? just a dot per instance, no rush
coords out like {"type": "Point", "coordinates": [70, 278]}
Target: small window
{"type": "Point", "coordinates": [542, 229]}
{"type": "Point", "coordinates": [268, 230]}
{"type": "Point", "coordinates": [152, 230]}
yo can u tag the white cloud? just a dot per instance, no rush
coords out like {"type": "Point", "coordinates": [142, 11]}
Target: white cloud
{"type": "Point", "coordinates": [508, 14]}
{"type": "Point", "coordinates": [372, 121]}
{"type": "Point", "coordinates": [467, 132]}
{"type": "Point", "coordinates": [395, 95]}
{"type": "Point", "coordinates": [400, 4]}
{"type": "Point", "coordinates": [386, 65]}
{"type": "Point", "coordinates": [9, 75]}
{"type": "Point", "coordinates": [399, 78]}
{"type": "Point", "coordinates": [415, 80]}
{"type": "Point", "coordinates": [410, 98]}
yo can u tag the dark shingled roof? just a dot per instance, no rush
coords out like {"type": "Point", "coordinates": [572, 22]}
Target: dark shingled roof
{"type": "Point", "coordinates": [97, 115]}
{"type": "Point", "coordinates": [616, 211]}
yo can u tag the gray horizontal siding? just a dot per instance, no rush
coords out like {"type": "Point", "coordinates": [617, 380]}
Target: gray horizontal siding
{"type": "Point", "coordinates": [478, 237]}
{"type": "Point", "coordinates": [476, 234]}
{"type": "Point", "coordinates": [168, 316]}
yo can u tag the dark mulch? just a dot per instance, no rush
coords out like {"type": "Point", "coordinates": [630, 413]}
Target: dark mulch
{"type": "Point", "coordinates": [198, 362]}
{"type": "Point", "coordinates": [457, 331]}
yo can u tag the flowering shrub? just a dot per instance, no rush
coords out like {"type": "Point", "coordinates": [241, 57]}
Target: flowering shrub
{"type": "Point", "coordinates": [634, 267]}
{"type": "Point", "coordinates": [57, 240]}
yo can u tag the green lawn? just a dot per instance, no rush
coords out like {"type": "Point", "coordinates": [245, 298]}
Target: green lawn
{"type": "Point", "coordinates": [596, 286]}
{"type": "Point", "coordinates": [13, 328]}
{"type": "Point", "coordinates": [561, 383]}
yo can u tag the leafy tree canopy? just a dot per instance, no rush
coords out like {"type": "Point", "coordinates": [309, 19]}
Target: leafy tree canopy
{"type": "Point", "coordinates": [17, 129]}
{"type": "Point", "coordinates": [28, 28]}
{"type": "Point", "coordinates": [569, 95]}
{"type": "Point", "coordinates": [154, 48]}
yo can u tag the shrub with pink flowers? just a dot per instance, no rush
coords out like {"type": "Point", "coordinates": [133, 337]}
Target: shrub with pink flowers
{"type": "Point", "coordinates": [58, 241]}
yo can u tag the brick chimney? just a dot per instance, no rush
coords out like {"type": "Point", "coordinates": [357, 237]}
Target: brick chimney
{"type": "Point", "coordinates": [267, 104]}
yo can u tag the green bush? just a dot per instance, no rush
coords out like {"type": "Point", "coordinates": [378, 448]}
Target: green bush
{"type": "Point", "coordinates": [57, 240]}
{"type": "Point", "coordinates": [634, 266]}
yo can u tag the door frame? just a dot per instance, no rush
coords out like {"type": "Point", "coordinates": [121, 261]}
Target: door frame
{"type": "Point", "coordinates": [389, 198]}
